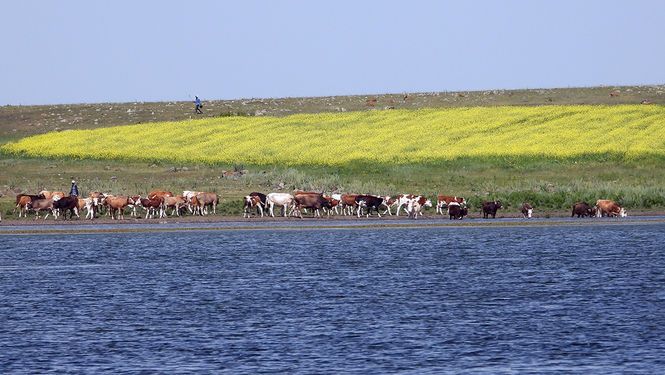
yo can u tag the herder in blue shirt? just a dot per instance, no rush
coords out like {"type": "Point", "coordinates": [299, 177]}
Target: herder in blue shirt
{"type": "Point", "coordinates": [198, 105]}
{"type": "Point", "coordinates": [74, 190]}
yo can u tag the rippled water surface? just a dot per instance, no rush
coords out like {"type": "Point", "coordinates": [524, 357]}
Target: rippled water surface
{"type": "Point", "coordinates": [436, 300]}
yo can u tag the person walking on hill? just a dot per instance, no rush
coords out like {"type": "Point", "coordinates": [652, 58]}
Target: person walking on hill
{"type": "Point", "coordinates": [197, 105]}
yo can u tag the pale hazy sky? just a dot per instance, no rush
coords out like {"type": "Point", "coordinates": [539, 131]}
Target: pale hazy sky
{"type": "Point", "coordinates": [111, 51]}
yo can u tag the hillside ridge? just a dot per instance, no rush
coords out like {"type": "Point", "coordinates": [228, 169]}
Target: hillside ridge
{"type": "Point", "coordinates": [20, 121]}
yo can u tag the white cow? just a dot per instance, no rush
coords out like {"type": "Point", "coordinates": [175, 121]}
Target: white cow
{"type": "Point", "coordinates": [404, 200]}
{"type": "Point", "coordinates": [415, 207]}
{"type": "Point", "coordinates": [284, 200]}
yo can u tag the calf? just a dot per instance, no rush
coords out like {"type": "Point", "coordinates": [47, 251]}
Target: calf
{"type": "Point", "coordinates": [456, 211]}
{"type": "Point", "coordinates": [490, 208]}
{"type": "Point", "coordinates": [176, 204]}
{"type": "Point", "coordinates": [583, 209]}
{"type": "Point", "coordinates": [135, 200]}
{"type": "Point", "coordinates": [526, 210]}
{"type": "Point", "coordinates": [331, 205]}
{"type": "Point", "coordinates": [250, 202]}
{"type": "Point", "coordinates": [89, 205]}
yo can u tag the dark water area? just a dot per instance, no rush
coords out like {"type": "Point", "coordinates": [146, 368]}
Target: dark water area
{"type": "Point", "coordinates": [560, 299]}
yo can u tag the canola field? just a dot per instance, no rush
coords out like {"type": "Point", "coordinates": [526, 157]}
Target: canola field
{"type": "Point", "coordinates": [387, 137]}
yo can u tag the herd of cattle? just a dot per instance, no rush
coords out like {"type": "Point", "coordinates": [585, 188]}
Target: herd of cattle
{"type": "Point", "coordinates": [157, 204]}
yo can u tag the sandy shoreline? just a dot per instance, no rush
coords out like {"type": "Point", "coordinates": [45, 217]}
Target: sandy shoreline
{"type": "Point", "coordinates": [221, 223]}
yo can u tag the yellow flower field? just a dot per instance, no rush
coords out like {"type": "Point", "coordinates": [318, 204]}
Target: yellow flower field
{"type": "Point", "coordinates": [385, 137]}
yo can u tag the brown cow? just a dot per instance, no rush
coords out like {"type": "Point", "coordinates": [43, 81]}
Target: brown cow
{"type": "Point", "coordinates": [195, 206]}
{"type": "Point", "coordinates": [117, 205]}
{"type": "Point", "coordinates": [313, 201]}
{"type": "Point", "coordinates": [583, 209]}
{"type": "Point", "coordinates": [23, 201]}
{"type": "Point", "coordinates": [150, 206]}
{"type": "Point", "coordinates": [159, 194]}
{"type": "Point", "coordinates": [349, 204]}
{"type": "Point", "coordinates": [207, 200]}
{"type": "Point", "coordinates": [52, 194]}
{"type": "Point", "coordinates": [607, 207]}
{"type": "Point", "coordinates": [331, 205]}
{"type": "Point", "coordinates": [444, 200]}
{"type": "Point", "coordinates": [42, 204]}
{"type": "Point", "coordinates": [176, 204]}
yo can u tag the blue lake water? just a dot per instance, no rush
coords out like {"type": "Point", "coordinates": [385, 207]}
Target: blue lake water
{"type": "Point", "coordinates": [559, 299]}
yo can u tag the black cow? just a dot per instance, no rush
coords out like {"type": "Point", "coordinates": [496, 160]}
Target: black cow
{"type": "Point", "coordinates": [65, 204]}
{"type": "Point", "coordinates": [369, 202]}
{"type": "Point", "coordinates": [490, 208]}
{"type": "Point", "coordinates": [456, 211]}
{"type": "Point", "coordinates": [583, 209]}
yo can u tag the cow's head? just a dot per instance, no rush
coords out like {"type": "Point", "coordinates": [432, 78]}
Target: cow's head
{"type": "Point", "coordinates": [529, 211]}
{"type": "Point", "coordinates": [498, 204]}
{"type": "Point", "coordinates": [622, 212]}
{"type": "Point", "coordinates": [428, 203]}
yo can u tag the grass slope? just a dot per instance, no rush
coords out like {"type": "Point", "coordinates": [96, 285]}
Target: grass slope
{"type": "Point", "coordinates": [510, 134]}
